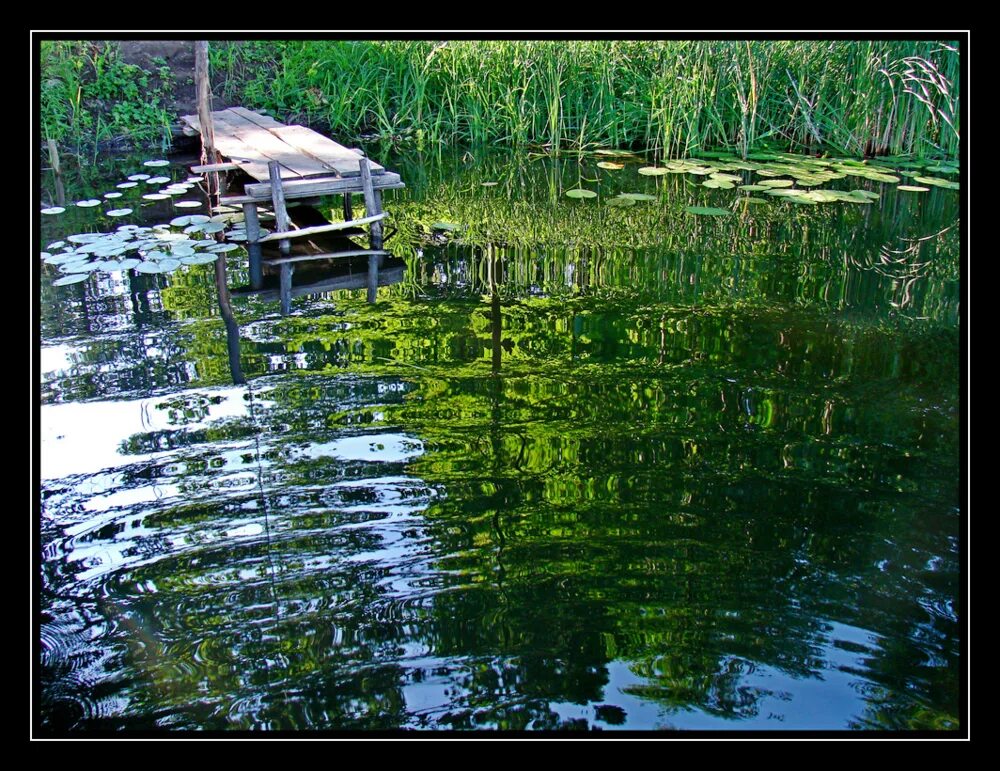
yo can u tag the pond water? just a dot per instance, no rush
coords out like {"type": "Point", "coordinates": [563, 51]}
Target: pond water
{"type": "Point", "coordinates": [583, 466]}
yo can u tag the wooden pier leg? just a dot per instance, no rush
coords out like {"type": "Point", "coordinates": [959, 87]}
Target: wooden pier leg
{"type": "Point", "coordinates": [372, 277]}
{"type": "Point", "coordinates": [373, 204]}
{"type": "Point", "coordinates": [348, 208]}
{"type": "Point", "coordinates": [253, 233]}
{"type": "Point", "coordinates": [286, 289]}
{"type": "Point", "coordinates": [284, 245]}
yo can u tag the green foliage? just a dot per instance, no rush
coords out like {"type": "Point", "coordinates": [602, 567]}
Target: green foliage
{"type": "Point", "coordinates": [89, 95]}
{"type": "Point", "coordinates": [671, 96]}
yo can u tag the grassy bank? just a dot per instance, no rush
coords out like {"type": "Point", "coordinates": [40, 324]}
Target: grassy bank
{"type": "Point", "coordinates": [668, 96]}
{"type": "Point", "coordinates": [89, 96]}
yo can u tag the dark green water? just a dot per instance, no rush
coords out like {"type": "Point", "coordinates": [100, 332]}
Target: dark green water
{"type": "Point", "coordinates": [583, 467]}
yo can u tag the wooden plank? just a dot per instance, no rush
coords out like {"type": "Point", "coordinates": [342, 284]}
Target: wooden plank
{"type": "Point", "coordinates": [325, 256]}
{"type": "Point", "coordinates": [214, 167]}
{"type": "Point", "coordinates": [315, 145]}
{"type": "Point", "coordinates": [302, 188]}
{"type": "Point", "coordinates": [278, 236]}
{"type": "Point", "coordinates": [248, 159]}
{"type": "Point", "coordinates": [268, 145]}
{"type": "Point", "coordinates": [261, 120]}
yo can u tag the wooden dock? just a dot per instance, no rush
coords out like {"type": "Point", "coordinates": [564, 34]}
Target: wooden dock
{"type": "Point", "coordinates": [293, 162]}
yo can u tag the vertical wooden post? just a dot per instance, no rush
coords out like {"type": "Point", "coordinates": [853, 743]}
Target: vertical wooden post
{"type": "Point", "coordinates": [348, 208]}
{"type": "Point", "coordinates": [54, 157]}
{"type": "Point", "coordinates": [284, 245]}
{"type": "Point", "coordinates": [286, 289]}
{"type": "Point", "coordinates": [57, 170]}
{"type": "Point", "coordinates": [373, 204]}
{"type": "Point", "coordinates": [203, 95]}
{"type": "Point", "coordinates": [253, 234]}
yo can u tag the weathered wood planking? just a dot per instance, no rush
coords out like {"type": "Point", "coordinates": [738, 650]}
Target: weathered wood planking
{"type": "Point", "coordinates": [247, 157]}
{"type": "Point", "coordinates": [305, 187]}
{"type": "Point", "coordinates": [253, 140]}
{"type": "Point", "coordinates": [266, 143]}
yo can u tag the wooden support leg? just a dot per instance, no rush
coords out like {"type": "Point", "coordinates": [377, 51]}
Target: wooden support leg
{"type": "Point", "coordinates": [373, 261]}
{"type": "Point", "coordinates": [253, 233]}
{"type": "Point", "coordinates": [286, 289]}
{"type": "Point", "coordinates": [284, 245]}
{"type": "Point", "coordinates": [280, 210]}
{"type": "Point", "coordinates": [348, 208]}
{"type": "Point", "coordinates": [373, 204]}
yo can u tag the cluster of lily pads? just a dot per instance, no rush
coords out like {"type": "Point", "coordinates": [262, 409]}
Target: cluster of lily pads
{"type": "Point", "coordinates": [186, 240]}
{"type": "Point", "coordinates": [793, 178]}
{"type": "Point", "coordinates": [133, 181]}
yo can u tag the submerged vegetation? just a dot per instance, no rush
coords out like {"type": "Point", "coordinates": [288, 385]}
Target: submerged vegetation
{"type": "Point", "coordinates": [672, 97]}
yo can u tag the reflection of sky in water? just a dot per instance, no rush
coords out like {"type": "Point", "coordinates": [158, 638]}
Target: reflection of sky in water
{"type": "Point", "coordinates": [86, 437]}
{"type": "Point", "coordinates": [786, 703]}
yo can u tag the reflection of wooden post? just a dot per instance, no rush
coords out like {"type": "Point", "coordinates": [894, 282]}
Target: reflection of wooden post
{"type": "Point", "coordinates": [232, 328]}
{"type": "Point", "coordinates": [203, 94]}
{"type": "Point", "coordinates": [372, 206]}
{"type": "Point", "coordinates": [253, 233]}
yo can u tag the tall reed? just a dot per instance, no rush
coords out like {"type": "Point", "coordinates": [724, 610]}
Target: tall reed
{"type": "Point", "coordinates": [667, 96]}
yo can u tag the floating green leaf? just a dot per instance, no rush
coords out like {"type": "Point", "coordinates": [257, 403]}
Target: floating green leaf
{"type": "Point", "coordinates": [579, 192]}
{"type": "Point", "coordinates": [188, 204]}
{"type": "Point", "coordinates": [118, 212]}
{"type": "Point", "coordinates": [653, 171]}
{"type": "Point", "coordinates": [937, 182]}
{"type": "Point", "coordinates": [621, 202]}
{"type": "Point", "coordinates": [638, 196]}
{"type": "Point", "coordinates": [53, 210]}
{"type": "Point", "coordinates": [610, 165]}
{"type": "Point", "coordinates": [913, 188]}
{"type": "Point", "coordinates": [156, 163]}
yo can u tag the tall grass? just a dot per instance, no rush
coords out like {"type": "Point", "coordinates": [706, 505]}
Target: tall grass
{"type": "Point", "coordinates": [667, 96]}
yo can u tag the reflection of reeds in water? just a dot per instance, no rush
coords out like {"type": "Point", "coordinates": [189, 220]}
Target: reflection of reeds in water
{"type": "Point", "coordinates": [672, 96]}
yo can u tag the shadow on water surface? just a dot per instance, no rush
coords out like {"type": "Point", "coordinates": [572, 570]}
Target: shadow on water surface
{"type": "Point", "coordinates": [704, 479]}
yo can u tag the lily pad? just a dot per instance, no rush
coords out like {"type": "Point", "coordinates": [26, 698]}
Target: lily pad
{"type": "Point", "coordinates": [73, 278]}
{"type": "Point", "coordinates": [638, 196]}
{"type": "Point", "coordinates": [913, 188]}
{"type": "Point", "coordinates": [118, 212]}
{"type": "Point", "coordinates": [581, 193]}
{"type": "Point", "coordinates": [773, 183]}
{"type": "Point", "coordinates": [138, 177]}
{"type": "Point", "coordinates": [148, 267]}
{"type": "Point", "coordinates": [200, 259]}
{"type": "Point", "coordinates": [88, 203]}
{"type": "Point", "coordinates": [188, 204]}
{"type": "Point", "coordinates": [124, 185]}
{"type": "Point", "coordinates": [653, 171]}
{"type": "Point", "coordinates": [936, 182]}
{"type": "Point", "coordinates": [718, 184]}
{"type": "Point", "coordinates": [112, 195]}
{"type": "Point", "coordinates": [130, 263]}
{"type": "Point", "coordinates": [53, 210]}
{"type": "Point", "coordinates": [155, 196]}
{"type": "Point", "coordinates": [170, 264]}
{"type": "Point", "coordinates": [708, 210]}
{"type": "Point", "coordinates": [157, 180]}
{"type": "Point", "coordinates": [610, 165]}
{"type": "Point", "coordinates": [621, 202]}
{"type": "Point", "coordinates": [156, 163]}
